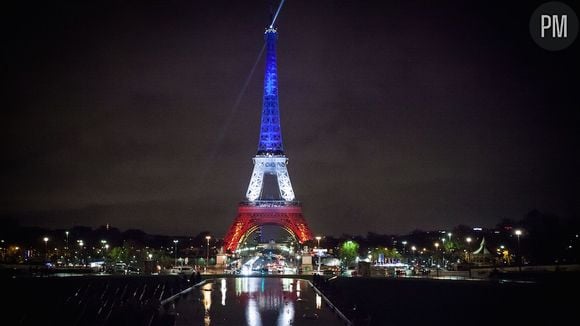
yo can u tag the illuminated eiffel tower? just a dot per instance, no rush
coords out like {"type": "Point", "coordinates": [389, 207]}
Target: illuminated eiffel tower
{"type": "Point", "coordinates": [270, 163]}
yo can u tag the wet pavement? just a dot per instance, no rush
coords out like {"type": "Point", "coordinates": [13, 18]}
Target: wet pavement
{"type": "Point", "coordinates": [255, 301]}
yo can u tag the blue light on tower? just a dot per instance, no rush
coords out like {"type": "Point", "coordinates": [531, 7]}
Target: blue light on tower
{"type": "Point", "coordinates": [270, 131]}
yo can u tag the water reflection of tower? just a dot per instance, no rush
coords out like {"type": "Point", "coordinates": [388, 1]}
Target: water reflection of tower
{"type": "Point", "coordinates": [223, 291]}
{"type": "Point", "coordinates": [261, 296]}
{"type": "Point", "coordinates": [206, 292]}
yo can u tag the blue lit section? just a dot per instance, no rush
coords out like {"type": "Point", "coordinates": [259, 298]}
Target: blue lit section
{"type": "Point", "coordinates": [270, 131]}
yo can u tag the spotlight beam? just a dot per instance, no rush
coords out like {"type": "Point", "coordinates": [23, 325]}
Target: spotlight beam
{"type": "Point", "coordinates": [276, 15]}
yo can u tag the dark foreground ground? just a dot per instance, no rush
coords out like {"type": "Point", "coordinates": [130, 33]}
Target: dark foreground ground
{"type": "Point", "coordinates": [136, 300]}
{"type": "Point", "coordinates": [88, 300]}
{"type": "Point", "coordinates": [544, 299]}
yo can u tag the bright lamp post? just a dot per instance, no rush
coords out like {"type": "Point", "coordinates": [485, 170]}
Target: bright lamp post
{"type": "Point", "coordinates": [443, 251]}
{"type": "Point", "coordinates": [468, 240]}
{"type": "Point", "coordinates": [175, 245]}
{"type": "Point", "coordinates": [318, 239]}
{"type": "Point", "coordinates": [67, 251]}
{"type": "Point", "coordinates": [436, 259]}
{"type": "Point", "coordinates": [518, 234]}
{"type": "Point", "coordinates": [207, 237]}
{"type": "Point", "coordinates": [46, 247]}
{"type": "Point", "coordinates": [81, 244]}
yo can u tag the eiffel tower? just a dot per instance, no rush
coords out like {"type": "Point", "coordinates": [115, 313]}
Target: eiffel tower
{"type": "Point", "coordinates": [269, 201]}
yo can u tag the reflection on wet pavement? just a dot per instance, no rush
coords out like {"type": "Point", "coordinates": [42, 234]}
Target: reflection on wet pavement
{"type": "Point", "coordinates": [254, 301]}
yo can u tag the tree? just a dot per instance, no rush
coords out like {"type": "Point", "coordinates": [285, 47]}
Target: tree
{"type": "Point", "coordinates": [386, 253]}
{"type": "Point", "coordinates": [118, 254]}
{"type": "Point", "coordinates": [348, 252]}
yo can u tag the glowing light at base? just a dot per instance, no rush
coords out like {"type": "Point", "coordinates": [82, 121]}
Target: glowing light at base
{"type": "Point", "coordinates": [206, 292]}
{"type": "Point", "coordinates": [223, 290]}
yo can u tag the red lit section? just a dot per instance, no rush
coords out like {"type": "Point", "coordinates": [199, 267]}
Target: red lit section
{"type": "Point", "coordinates": [250, 217]}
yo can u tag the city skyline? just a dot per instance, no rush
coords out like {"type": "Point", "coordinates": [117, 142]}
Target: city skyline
{"type": "Point", "coordinates": [395, 117]}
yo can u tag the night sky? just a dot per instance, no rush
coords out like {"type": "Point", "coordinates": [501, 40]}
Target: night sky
{"type": "Point", "coordinates": [396, 115]}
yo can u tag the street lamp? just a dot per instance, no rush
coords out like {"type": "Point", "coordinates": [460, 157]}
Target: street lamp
{"type": "Point", "coordinates": [436, 249]}
{"type": "Point", "coordinates": [46, 246]}
{"type": "Point", "coordinates": [318, 239]}
{"type": "Point", "coordinates": [175, 244]}
{"type": "Point", "coordinates": [207, 237]}
{"type": "Point", "coordinates": [443, 252]}
{"type": "Point", "coordinates": [67, 251]}
{"type": "Point", "coordinates": [468, 239]}
{"type": "Point", "coordinates": [518, 233]}
{"type": "Point", "coordinates": [81, 245]}
{"type": "Point", "coordinates": [104, 246]}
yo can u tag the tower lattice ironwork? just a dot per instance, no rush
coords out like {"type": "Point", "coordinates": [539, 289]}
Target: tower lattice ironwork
{"type": "Point", "coordinates": [270, 160]}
